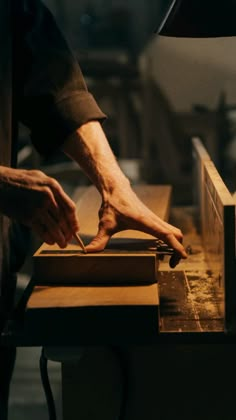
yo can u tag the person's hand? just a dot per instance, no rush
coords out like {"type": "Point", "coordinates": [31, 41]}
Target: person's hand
{"type": "Point", "coordinates": [123, 210]}
{"type": "Point", "coordinates": [38, 201]}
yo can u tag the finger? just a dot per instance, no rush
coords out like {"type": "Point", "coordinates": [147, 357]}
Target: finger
{"type": "Point", "coordinates": [173, 237]}
{"type": "Point", "coordinates": [55, 231]}
{"type": "Point", "coordinates": [68, 211]}
{"type": "Point", "coordinates": [41, 232]}
{"type": "Point", "coordinates": [174, 260]}
{"type": "Point", "coordinates": [162, 230]}
{"type": "Point", "coordinates": [52, 218]}
{"type": "Point", "coordinates": [63, 200]}
{"type": "Point", "coordinates": [176, 245]}
{"type": "Point", "coordinates": [61, 223]}
{"type": "Point", "coordinates": [99, 242]}
{"type": "Point", "coordinates": [69, 225]}
{"type": "Point", "coordinates": [179, 251]}
{"type": "Point", "coordinates": [65, 210]}
{"type": "Point", "coordinates": [51, 230]}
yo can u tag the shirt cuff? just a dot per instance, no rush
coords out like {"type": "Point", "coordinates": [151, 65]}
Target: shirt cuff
{"type": "Point", "coordinates": [62, 119]}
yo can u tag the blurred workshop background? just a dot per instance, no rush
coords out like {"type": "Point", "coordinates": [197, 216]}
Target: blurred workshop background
{"type": "Point", "coordinates": [158, 92]}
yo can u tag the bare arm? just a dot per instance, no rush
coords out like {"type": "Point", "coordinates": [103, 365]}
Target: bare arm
{"type": "Point", "coordinates": [121, 208]}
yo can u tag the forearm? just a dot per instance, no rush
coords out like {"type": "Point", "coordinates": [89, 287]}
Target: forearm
{"type": "Point", "coordinates": [89, 147]}
{"type": "Point", "coordinates": [121, 209]}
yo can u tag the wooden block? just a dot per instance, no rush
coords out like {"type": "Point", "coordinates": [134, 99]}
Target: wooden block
{"type": "Point", "coordinates": [129, 257]}
{"type": "Point", "coordinates": [71, 266]}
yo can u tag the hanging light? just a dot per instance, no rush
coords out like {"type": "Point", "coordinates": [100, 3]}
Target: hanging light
{"type": "Point", "coordinates": [199, 18]}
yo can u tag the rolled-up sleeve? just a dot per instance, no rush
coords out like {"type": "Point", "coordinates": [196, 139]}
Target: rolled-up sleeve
{"type": "Point", "coordinates": [52, 96]}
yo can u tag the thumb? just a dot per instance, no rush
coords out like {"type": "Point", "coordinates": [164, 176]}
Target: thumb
{"type": "Point", "coordinates": [99, 242]}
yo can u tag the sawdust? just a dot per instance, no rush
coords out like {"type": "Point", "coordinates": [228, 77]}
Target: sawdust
{"type": "Point", "coordinates": [205, 293]}
{"type": "Point", "coordinates": [203, 282]}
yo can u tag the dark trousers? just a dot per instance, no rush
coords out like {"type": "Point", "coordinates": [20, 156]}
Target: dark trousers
{"type": "Point", "coordinates": [7, 353]}
{"type": "Point", "coordinates": [19, 246]}
{"type": "Point", "coordinates": [7, 358]}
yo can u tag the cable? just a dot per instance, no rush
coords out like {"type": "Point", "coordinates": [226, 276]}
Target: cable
{"type": "Point", "coordinates": [43, 363]}
{"type": "Point", "coordinates": [48, 392]}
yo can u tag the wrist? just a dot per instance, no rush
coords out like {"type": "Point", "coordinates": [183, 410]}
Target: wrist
{"type": "Point", "coordinates": [113, 185]}
{"type": "Point", "coordinates": [89, 147]}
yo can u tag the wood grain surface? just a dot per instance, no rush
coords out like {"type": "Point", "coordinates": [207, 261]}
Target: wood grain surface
{"type": "Point", "coordinates": [217, 228]}
{"type": "Point", "coordinates": [66, 296]}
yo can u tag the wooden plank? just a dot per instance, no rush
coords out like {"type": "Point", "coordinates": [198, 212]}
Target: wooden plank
{"type": "Point", "coordinates": [66, 296]}
{"type": "Point", "coordinates": [200, 155]}
{"type": "Point", "coordinates": [59, 316]}
{"type": "Point", "coordinates": [128, 258]}
{"type": "Point", "coordinates": [217, 210]}
{"type": "Point", "coordinates": [199, 150]}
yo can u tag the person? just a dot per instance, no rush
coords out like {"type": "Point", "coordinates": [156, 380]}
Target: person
{"type": "Point", "coordinates": [51, 98]}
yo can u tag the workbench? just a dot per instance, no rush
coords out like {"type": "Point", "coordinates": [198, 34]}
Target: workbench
{"type": "Point", "coordinates": [143, 338]}
{"type": "Point", "coordinates": [190, 302]}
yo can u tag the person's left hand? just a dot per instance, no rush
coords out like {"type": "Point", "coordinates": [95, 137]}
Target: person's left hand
{"type": "Point", "coordinates": [124, 210]}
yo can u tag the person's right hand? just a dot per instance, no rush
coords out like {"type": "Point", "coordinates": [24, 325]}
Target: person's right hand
{"type": "Point", "coordinates": [38, 201]}
{"type": "Point", "coordinates": [123, 210]}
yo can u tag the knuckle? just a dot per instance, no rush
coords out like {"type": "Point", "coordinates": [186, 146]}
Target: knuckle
{"type": "Point", "coordinates": [46, 196]}
{"type": "Point", "coordinates": [53, 183]}
{"type": "Point", "coordinates": [71, 207]}
{"type": "Point", "coordinates": [37, 173]}
{"type": "Point", "coordinates": [179, 232]}
{"type": "Point", "coordinates": [46, 192]}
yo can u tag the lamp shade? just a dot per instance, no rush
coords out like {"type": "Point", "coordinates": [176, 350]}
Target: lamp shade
{"type": "Point", "coordinates": [200, 18]}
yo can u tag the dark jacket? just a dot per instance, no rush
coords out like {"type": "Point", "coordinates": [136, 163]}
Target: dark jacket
{"type": "Point", "coordinates": [50, 93]}
{"type": "Point", "coordinates": [47, 93]}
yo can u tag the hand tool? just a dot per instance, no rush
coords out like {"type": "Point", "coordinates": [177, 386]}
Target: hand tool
{"type": "Point", "coordinates": [80, 242]}
{"type": "Point", "coordinates": [163, 249]}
